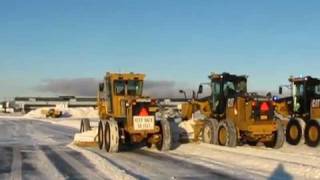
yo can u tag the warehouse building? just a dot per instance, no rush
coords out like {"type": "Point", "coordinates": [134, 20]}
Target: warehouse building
{"type": "Point", "coordinates": [26, 104]}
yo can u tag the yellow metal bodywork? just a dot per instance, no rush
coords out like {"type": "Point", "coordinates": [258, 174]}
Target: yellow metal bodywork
{"type": "Point", "coordinates": [315, 111]}
{"type": "Point", "coordinates": [193, 106]}
{"type": "Point", "coordinates": [282, 108]}
{"type": "Point", "coordinates": [52, 113]}
{"type": "Point", "coordinates": [121, 106]}
{"type": "Point", "coordinates": [116, 100]}
{"type": "Point", "coordinates": [239, 112]}
{"type": "Point", "coordinates": [263, 128]}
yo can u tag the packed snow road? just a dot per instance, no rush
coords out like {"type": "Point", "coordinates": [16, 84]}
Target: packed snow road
{"type": "Point", "coordinates": [33, 149]}
{"type": "Point", "coordinates": [37, 150]}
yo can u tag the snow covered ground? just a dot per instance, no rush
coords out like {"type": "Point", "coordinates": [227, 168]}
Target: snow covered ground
{"type": "Point", "coordinates": [66, 113]}
{"type": "Point", "coordinates": [290, 162]}
{"type": "Point", "coordinates": [186, 161]}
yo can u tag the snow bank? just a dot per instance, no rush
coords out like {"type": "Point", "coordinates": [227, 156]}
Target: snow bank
{"type": "Point", "coordinates": [66, 113]}
{"type": "Point", "coordinates": [297, 162]}
{"type": "Point", "coordinates": [83, 112]}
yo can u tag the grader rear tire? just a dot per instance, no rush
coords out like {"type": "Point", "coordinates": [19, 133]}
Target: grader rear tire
{"type": "Point", "coordinates": [278, 137]}
{"type": "Point", "coordinates": [85, 125]}
{"type": "Point", "coordinates": [209, 133]}
{"type": "Point", "coordinates": [101, 140]}
{"type": "Point", "coordinates": [165, 143]}
{"type": "Point", "coordinates": [293, 132]}
{"type": "Point", "coordinates": [227, 133]}
{"type": "Point", "coordinates": [312, 133]}
{"type": "Point", "coordinates": [111, 137]}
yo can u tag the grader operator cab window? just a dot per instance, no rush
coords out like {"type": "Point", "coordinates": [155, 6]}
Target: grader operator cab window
{"type": "Point", "coordinates": [229, 89]}
{"type": "Point", "coordinates": [317, 90]}
{"type": "Point", "coordinates": [216, 91]}
{"type": "Point", "coordinates": [120, 87]}
{"type": "Point", "coordinates": [101, 87]}
{"type": "Point", "coordinates": [298, 97]}
{"type": "Point", "coordinates": [299, 90]}
{"type": "Point", "coordinates": [221, 90]}
{"type": "Point", "coordinates": [241, 87]}
{"type": "Point", "coordinates": [135, 88]}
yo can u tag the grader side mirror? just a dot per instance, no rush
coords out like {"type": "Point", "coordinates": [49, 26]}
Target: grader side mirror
{"type": "Point", "coordinates": [280, 90]}
{"type": "Point", "coordinates": [193, 95]}
{"type": "Point", "coordinates": [184, 93]}
{"type": "Point", "coordinates": [101, 87]}
{"type": "Point", "coordinates": [200, 90]}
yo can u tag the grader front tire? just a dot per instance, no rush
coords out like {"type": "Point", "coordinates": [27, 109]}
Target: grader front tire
{"type": "Point", "coordinates": [111, 136]}
{"type": "Point", "coordinates": [166, 136]}
{"type": "Point", "coordinates": [278, 137]}
{"type": "Point", "coordinates": [294, 132]}
{"type": "Point", "coordinates": [312, 133]}
{"type": "Point", "coordinates": [209, 133]}
{"type": "Point", "coordinates": [227, 133]}
{"type": "Point", "coordinates": [101, 135]}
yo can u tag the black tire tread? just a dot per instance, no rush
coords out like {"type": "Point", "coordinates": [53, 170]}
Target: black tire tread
{"type": "Point", "coordinates": [232, 138]}
{"type": "Point", "coordinates": [166, 141]}
{"type": "Point", "coordinates": [309, 124]}
{"type": "Point", "coordinates": [112, 128]}
{"type": "Point", "coordinates": [279, 137]}
{"type": "Point", "coordinates": [213, 125]}
{"type": "Point", "coordinates": [288, 138]}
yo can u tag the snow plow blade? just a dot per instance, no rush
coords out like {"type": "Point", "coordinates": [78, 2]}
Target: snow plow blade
{"type": "Point", "coordinates": [86, 139]}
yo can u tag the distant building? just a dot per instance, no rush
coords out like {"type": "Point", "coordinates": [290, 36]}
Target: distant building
{"type": "Point", "coordinates": [26, 104]}
{"type": "Point", "coordinates": [7, 106]}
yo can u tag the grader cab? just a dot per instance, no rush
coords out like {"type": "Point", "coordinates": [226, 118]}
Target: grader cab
{"type": "Point", "coordinates": [233, 115]}
{"type": "Point", "coordinates": [303, 109]}
{"type": "Point", "coordinates": [126, 117]}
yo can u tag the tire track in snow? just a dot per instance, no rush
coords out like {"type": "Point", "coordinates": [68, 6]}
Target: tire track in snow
{"type": "Point", "coordinates": [5, 162]}
{"type": "Point", "coordinates": [143, 164]}
{"type": "Point", "coordinates": [186, 165]}
{"type": "Point", "coordinates": [250, 173]}
{"type": "Point", "coordinates": [258, 162]}
{"type": "Point", "coordinates": [16, 166]}
{"type": "Point", "coordinates": [258, 156]}
{"type": "Point", "coordinates": [79, 162]}
{"type": "Point", "coordinates": [36, 166]}
{"type": "Point", "coordinates": [118, 165]}
{"type": "Point", "coordinates": [62, 165]}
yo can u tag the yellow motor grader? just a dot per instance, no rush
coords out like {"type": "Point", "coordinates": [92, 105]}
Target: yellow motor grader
{"type": "Point", "coordinates": [303, 110]}
{"type": "Point", "coordinates": [52, 113]}
{"type": "Point", "coordinates": [126, 116]}
{"type": "Point", "coordinates": [233, 115]}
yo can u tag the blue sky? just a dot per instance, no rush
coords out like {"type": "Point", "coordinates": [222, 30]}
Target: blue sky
{"type": "Point", "coordinates": [181, 40]}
